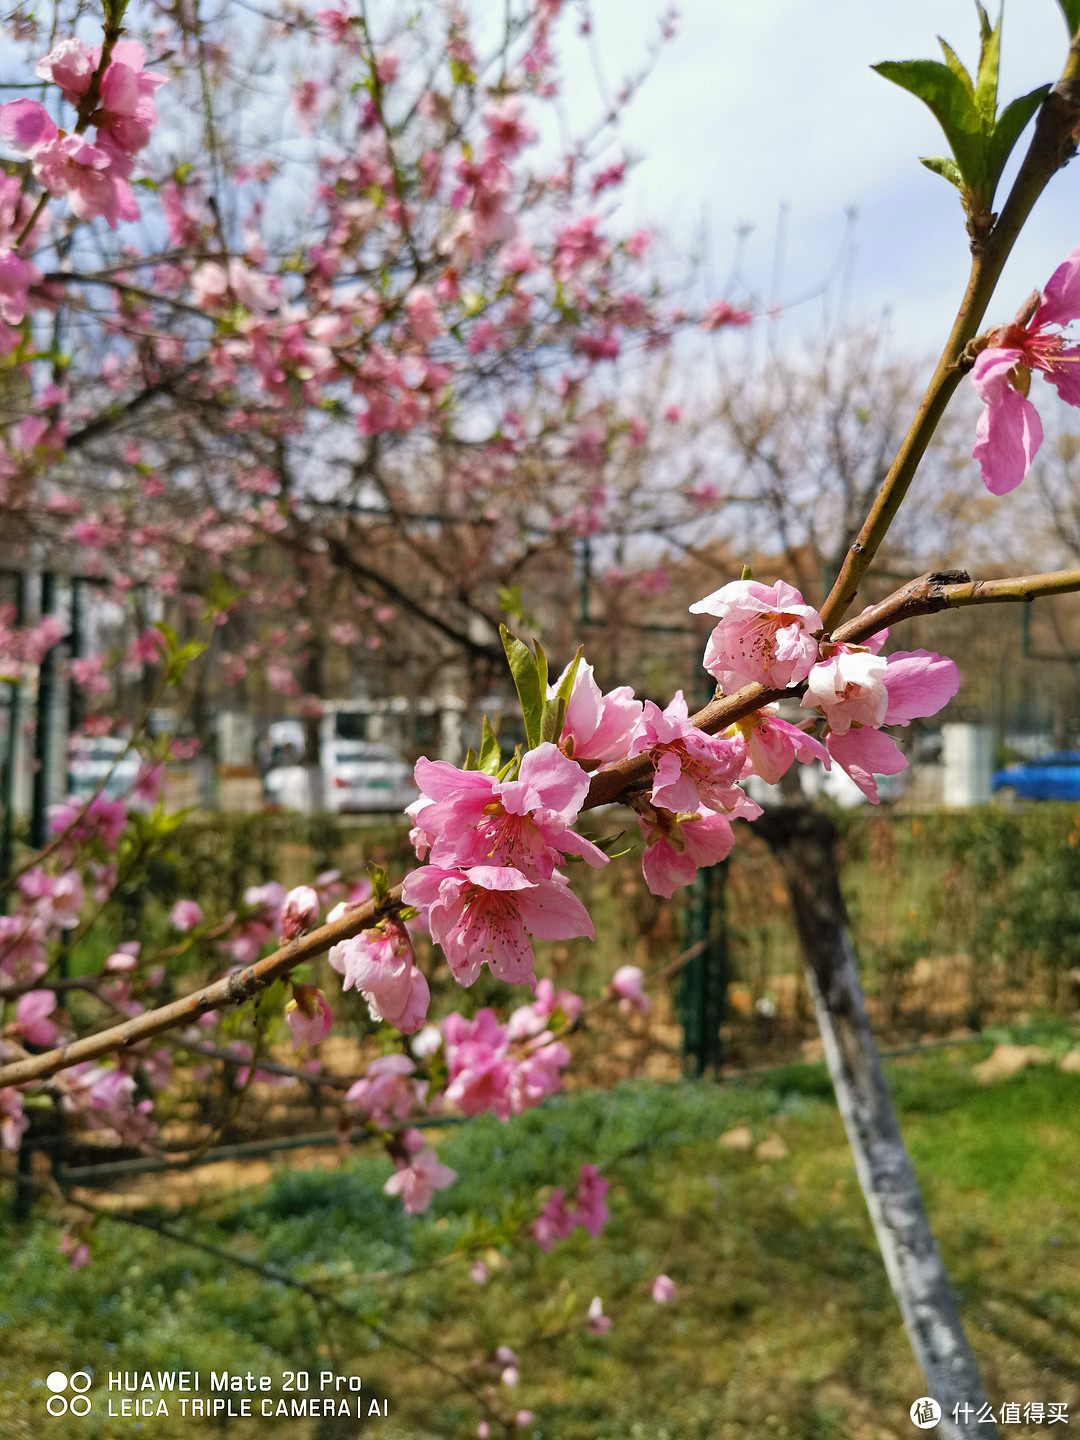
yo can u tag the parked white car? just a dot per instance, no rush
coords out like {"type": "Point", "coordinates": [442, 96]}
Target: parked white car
{"type": "Point", "coordinates": [357, 777]}
{"type": "Point", "coordinates": [91, 759]}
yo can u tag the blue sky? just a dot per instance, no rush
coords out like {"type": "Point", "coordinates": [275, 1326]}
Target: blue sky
{"type": "Point", "coordinates": [759, 103]}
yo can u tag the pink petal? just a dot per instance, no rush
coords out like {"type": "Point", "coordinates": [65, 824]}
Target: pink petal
{"type": "Point", "coordinates": [1061, 298]}
{"type": "Point", "coordinates": [865, 753]}
{"type": "Point", "coordinates": [991, 371]}
{"type": "Point", "coordinates": [561, 783]}
{"type": "Point", "coordinates": [919, 683]}
{"type": "Point", "coordinates": [1066, 380]}
{"type": "Point", "coordinates": [1007, 437]}
{"type": "Point", "coordinates": [25, 124]}
{"type": "Point", "coordinates": [553, 912]}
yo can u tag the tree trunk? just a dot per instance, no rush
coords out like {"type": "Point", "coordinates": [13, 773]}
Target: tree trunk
{"type": "Point", "coordinates": [804, 843]}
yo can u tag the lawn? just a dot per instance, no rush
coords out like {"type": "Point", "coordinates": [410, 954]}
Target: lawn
{"type": "Point", "coordinates": [783, 1324]}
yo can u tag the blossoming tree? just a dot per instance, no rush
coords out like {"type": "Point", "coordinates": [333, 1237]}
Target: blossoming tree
{"type": "Point", "coordinates": [225, 408]}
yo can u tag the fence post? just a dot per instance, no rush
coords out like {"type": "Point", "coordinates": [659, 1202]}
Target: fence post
{"type": "Point", "coordinates": [11, 755]}
{"type": "Point", "coordinates": [43, 725]}
{"type": "Point", "coordinates": [702, 999]}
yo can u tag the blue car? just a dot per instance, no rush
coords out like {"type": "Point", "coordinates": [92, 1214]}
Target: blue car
{"type": "Point", "coordinates": [1051, 777]}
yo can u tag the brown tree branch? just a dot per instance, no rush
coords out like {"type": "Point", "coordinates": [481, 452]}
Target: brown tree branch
{"type": "Point", "coordinates": [927, 595]}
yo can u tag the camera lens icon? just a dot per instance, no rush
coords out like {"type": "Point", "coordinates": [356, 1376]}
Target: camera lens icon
{"type": "Point", "coordinates": [58, 1403]}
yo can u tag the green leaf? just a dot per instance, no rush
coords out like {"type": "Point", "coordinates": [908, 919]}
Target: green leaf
{"type": "Point", "coordinates": [490, 757]}
{"type": "Point", "coordinates": [986, 80]}
{"type": "Point", "coordinates": [512, 604]}
{"type": "Point", "coordinates": [553, 719]}
{"type": "Point", "coordinates": [1071, 10]}
{"type": "Point", "coordinates": [472, 760]}
{"type": "Point", "coordinates": [956, 65]}
{"type": "Point", "coordinates": [566, 684]}
{"type": "Point", "coordinates": [943, 166]}
{"type": "Point", "coordinates": [380, 882]}
{"type": "Point", "coordinates": [541, 668]}
{"type": "Point", "coordinates": [946, 96]}
{"type": "Point", "coordinates": [747, 573]}
{"type": "Point", "coordinates": [510, 769]}
{"type": "Point", "coordinates": [525, 670]}
{"type": "Point", "coordinates": [1008, 130]}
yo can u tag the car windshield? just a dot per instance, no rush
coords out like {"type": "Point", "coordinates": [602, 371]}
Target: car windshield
{"type": "Point", "coordinates": [100, 750]}
{"type": "Point", "coordinates": [366, 754]}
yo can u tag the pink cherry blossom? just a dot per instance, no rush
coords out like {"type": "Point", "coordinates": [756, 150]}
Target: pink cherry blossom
{"type": "Point", "coordinates": [126, 113]}
{"type": "Point", "coordinates": [719, 314]}
{"type": "Point", "coordinates": [529, 1021]}
{"type": "Point", "coordinates": [591, 1210]}
{"type": "Point", "coordinates": [93, 177]}
{"type": "Point", "coordinates": [555, 1222]}
{"type": "Point", "coordinates": [691, 768]}
{"type": "Point", "coordinates": [379, 962]}
{"type": "Point", "coordinates": [185, 915]}
{"type": "Point", "coordinates": [417, 1181]}
{"type": "Point", "coordinates": [676, 847]}
{"type": "Point", "coordinates": [598, 1323]}
{"type": "Point", "coordinates": [12, 1120]}
{"type": "Point", "coordinates": [424, 321]}
{"type": "Point", "coordinates": [148, 646]}
{"type": "Point", "coordinates": [123, 960]}
{"type": "Point", "coordinates": [309, 1017]}
{"type": "Point", "coordinates": [598, 727]}
{"type": "Point", "coordinates": [386, 1092]}
{"type": "Point", "coordinates": [148, 786]}
{"type": "Point", "coordinates": [1009, 431]}
{"type": "Point", "coordinates": [478, 1273]}
{"type": "Point", "coordinates": [772, 744]}
{"type": "Point", "coordinates": [31, 1012]}
{"type": "Point", "coordinates": [299, 912]}
{"type": "Point", "coordinates": [858, 692]}
{"type": "Point", "coordinates": [487, 912]}
{"type": "Point", "coordinates": [339, 27]}
{"type": "Point", "coordinates": [849, 689]}
{"type": "Point", "coordinates": [765, 634]}
{"type": "Point", "coordinates": [626, 983]}
{"type": "Point", "coordinates": [102, 819]}
{"type": "Point", "coordinates": [16, 277]}
{"type": "Point", "coordinates": [79, 1251]}
{"type": "Point", "coordinates": [523, 823]}
{"type": "Point", "coordinates": [663, 1289]}
{"type": "Point", "coordinates": [480, 1067]}
{"type": "Point", "coordinates": [508, 132]}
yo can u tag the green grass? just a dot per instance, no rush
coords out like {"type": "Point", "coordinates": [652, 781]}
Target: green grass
{"type": "Point", "coordinates": [784, 1324]}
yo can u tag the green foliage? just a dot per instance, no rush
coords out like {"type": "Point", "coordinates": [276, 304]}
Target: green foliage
{"type": "Point", "coordinates": [981, 141]}
{"type": "Point", "coordinates": [529, 670]}
{"type": "Point", "coordinates": [511, 603]}
{"type": "Point", "coordinates": [1071, 10]}
{"type": "Point", "coordinates": [490, 758]}
{"type": "Point", "coordinates": [380, 882]}
{"type": "Point", "coordinates": [178, 657]}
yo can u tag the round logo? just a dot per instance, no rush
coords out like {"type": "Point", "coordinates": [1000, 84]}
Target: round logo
{"type": "Point", "coordinates": [57, 1382]}
{"type": "Point", "coordinates": [925, 1412]}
